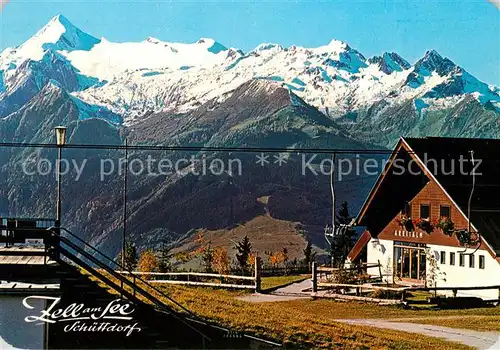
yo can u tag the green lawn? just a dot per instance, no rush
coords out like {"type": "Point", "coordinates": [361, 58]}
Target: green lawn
{"type": "Point", "coordinates": [308, 323]}
{"type": "Point", "coordinates": [299, 323]}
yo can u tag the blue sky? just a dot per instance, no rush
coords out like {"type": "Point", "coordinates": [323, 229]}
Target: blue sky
{"type": "Point", "coordinates": [468, 32]}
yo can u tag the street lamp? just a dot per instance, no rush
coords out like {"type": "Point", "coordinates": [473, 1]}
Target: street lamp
{"type": "Point", "coordinates": [60, 141]}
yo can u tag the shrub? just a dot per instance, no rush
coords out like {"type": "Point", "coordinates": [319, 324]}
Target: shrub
{"type": "Point", "coordinates": [385, 294]}
{"type": "Point", "coordinates": [343, 276]}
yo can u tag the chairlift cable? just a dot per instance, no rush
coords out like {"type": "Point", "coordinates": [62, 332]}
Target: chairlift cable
{"type": "Point", "coordinates": [202, 148]}
{"type": "Point", "coordinates": [469, 210]}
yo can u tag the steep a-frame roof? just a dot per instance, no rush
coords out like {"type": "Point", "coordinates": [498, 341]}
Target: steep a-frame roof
{"type": "Point", "coordinates": [485, 202]}
{"type": "Point", "coordinates": [448, 162]}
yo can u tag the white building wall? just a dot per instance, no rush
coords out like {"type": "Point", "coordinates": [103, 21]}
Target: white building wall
{"type": "Point", "coordinates": [465, 276]}
{"type": "Point", "coordinates": [452, 275]}
{"type": "Point", "coordinates": [381, 250]}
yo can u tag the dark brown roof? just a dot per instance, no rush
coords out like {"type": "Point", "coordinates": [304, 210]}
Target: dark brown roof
{"type": "Point", "coordinates": [485, 203]}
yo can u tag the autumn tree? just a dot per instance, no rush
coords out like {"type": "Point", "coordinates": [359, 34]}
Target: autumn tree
{"type": "Point", "coordinates": [272, 258]}
{"type": "Point", "coordinates": [251, 262]}
{"type": "Point", "coordinates": [221, 262]}
{"type": "Point", "coordinates": [277, 258]}
{"type": "Point", "coordinates": [147, 261]}
{"type": "Point", "coordinates": [130, 256]}
{"type": "Point", "coordinates": [244, 249]}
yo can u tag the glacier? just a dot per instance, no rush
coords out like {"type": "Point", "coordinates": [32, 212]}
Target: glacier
{"type": "Point", "coordinates": [133, 79]}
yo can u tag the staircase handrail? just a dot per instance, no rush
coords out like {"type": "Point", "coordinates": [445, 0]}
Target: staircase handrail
{"type": "Point", "coordinates": [195, 318]}
{"type": "Point", "coordinates": [123, 268]}
{"type": "Point", "coordinates": [122, 278]}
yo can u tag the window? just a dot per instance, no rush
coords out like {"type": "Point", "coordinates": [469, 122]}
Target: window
{"type": "Point", "coordinates": [425, 211]}
{"type": "Point", "coordinates": [461, 260]}
{"type": "Point", "coordinates": [471, 260]}
{"type": "Point", "coordinates": [442, 257]}
{"type": "Point", "coordinates": [481, 261]}
{"type": "Point", "coordinates": [444, 211]}
{"type": "Point", "coordinates": [452, 258]}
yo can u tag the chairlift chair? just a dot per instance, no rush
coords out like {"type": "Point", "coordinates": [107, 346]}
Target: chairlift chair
{"type": "Point", "coordinates": [337, 230]}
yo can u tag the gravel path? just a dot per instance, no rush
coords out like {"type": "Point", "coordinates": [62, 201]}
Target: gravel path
{"type": "Point", "coordinates": [479, 340]}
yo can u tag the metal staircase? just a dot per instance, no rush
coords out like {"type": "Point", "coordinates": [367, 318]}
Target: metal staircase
{"type": "Point", "coordinates": [87, 276]}
{"type": "Point", "coordinates": [181, 328]}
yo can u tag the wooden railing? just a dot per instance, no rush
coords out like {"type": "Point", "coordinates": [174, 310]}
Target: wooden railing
{"type": "Point", "coordinates": [319, 273]}
{"type": "Point", "coordinates": [361, 268]}
{"type": "Point", "coordinates": [361, 292]}
{"type": "Point", "coordinates": [205, 279]}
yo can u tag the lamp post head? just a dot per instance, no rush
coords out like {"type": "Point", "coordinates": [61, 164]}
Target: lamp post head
{"type": "Point", "coordinates": [60, 135]}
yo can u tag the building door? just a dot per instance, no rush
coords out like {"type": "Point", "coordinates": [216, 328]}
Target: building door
{"type": "Point", "coordinates": [409, 261]}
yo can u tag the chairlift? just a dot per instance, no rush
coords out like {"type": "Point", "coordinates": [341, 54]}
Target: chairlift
{"type": "Point", "coordinates": [335, 230]}
{"type": "Point", "coordinates": [338, 229]}
{"type": "Point", "coordinates": [468, 231]}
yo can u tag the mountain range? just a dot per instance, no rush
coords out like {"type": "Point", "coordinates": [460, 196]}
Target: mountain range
{"type": "Point", "coordinates": [205, 94]}
{"type": "Point", "coordinates": [134, 79]}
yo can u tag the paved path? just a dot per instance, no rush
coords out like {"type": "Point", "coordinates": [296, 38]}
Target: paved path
{"type": "Point", "coordinates": [479, 340]}
{"type": "Point", "coordinates": [291, 292]}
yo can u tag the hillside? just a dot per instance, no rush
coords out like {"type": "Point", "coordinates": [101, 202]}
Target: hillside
{"type": "Point", "coordinates": [164, 207]}
{"type": "Point", "coordinates": [265, 233]}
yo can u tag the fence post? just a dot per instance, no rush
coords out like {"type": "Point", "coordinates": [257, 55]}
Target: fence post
{"type": "Point", "coordinates": [314, 277]}
{"type": "Point", "coordinates": [379, 271]}
{"type": "Point", "coordinates": [258, 281]}
{"type": "Point", "coordinates": [403, 295]}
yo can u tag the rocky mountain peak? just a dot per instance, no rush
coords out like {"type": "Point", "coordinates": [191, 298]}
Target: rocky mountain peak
{"type": "Point", "coordinates": [434, 62]}
{"type": "Point", "coordinates": [390, 62]}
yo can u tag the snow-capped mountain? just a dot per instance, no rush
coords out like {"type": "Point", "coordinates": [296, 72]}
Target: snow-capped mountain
{"type": "Point", "coordinates": [57, 35]}
{"type": "Point", "coordinates": [135, 79]}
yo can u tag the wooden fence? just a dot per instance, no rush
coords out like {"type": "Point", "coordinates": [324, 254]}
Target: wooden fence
{"type": "Point", "coordinates": [359, 289]}
{"type": "Point", "coordinates": [205, 279]}
{"type": "Point", "coordinates": [323, 272]}
{"type": "Point", "coordinates": [285, 271]}
{"type": "Point", "coordinates": [454, 290]}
